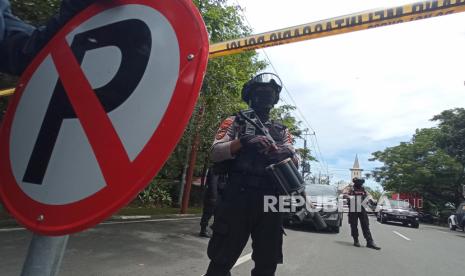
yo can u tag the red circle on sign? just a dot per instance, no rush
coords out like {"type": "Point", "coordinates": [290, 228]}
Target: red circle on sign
{"type": "Point", "coordinates": [124, 178]}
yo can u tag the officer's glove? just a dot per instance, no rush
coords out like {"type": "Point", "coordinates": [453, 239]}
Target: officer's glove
{"type": "Point", "coordinates": [279, 154]}
{"type": "Point", "coordinates": [259, 143]}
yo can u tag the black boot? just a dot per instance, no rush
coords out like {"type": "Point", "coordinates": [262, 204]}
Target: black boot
{"type": "Point", "coordinates": [356, 242]}
{"type": "Point", "coordinates": [372, 244]}
{"type": "Point", "coordinates": [204, 232]}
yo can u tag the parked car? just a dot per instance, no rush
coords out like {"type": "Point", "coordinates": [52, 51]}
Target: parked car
{"type": "Point", "coordinates": [398, 211]}
{"type": "Point", "coordinates": [457, 220]}
{"type": "Point", "coordinates": [371, 203]}
{"type": "Point", "coordinates": [345, 204]}
{"type": "Point", "coordinates": [326, 203]}
{"type": "Point", "coordinates": [428, 217]}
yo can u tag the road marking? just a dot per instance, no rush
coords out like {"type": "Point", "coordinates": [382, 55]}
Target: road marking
{"type": "Point", "coordinates": [400, 235]}
{"type": "Point", "coordinates": [113, 222]}
{"type": "Point", "coordinates": [146, 220]}
{"type": "Point", "coordinates": [11, 229]}
{"type": "Point", "coordinates": [135, 217]}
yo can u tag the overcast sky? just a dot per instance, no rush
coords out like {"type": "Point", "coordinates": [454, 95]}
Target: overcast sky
{"type": "Point", "coordinates": [364, 91]}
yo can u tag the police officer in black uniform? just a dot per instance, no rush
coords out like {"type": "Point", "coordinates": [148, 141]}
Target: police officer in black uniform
{"type": "Point", "coordinates": [357, 195]}
{"type": "Point", "coordinates": [241, 211]}
{"type": "Point", "coordinates": [214, 187]}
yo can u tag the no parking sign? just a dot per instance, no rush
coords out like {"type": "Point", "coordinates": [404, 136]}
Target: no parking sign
{"type": "Point", "coordinates": [98, 112]}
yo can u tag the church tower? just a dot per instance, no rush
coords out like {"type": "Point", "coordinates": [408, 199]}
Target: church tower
{"type": "Point", "coordinates": [356, 171]}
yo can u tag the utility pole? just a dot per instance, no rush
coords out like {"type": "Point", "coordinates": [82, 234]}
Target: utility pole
{"type": "Point", "coordinates": [305, 160]}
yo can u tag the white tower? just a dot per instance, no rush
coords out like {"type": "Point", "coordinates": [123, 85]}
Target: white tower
{"type": "Point", "coordinates": [356, 171]}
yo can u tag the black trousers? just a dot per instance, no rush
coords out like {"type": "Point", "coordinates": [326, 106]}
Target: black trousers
{"type": "Point", "coordinates": [207, 212]}
{"type": "Point", "coordinates": [241, 215]}
{"type": "Point", "coordinates": [354, 217]}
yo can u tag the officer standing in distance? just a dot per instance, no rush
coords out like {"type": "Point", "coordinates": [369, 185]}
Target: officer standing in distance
{"type": "Point", "coordinates": [241, 212]}
{"type": "Point", "coordinates": [214, 187]}
{"type": "Point", "coordinates": [357, 195]}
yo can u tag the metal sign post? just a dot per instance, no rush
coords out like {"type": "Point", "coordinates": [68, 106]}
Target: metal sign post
{"type": "Point", "coordinates": [44, 256]}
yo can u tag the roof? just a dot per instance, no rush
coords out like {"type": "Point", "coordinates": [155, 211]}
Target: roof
{"type": "Point", "coordinates": [356, 164]}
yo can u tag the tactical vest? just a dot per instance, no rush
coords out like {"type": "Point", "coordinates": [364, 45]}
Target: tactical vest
{"type": "Point", "coordinates": [251, 163]}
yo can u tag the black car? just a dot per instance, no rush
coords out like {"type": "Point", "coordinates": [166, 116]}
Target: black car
{"type": "Point", "coordinates": [326, 206]}
{"type": "Point", "coordinates": [398, 211]}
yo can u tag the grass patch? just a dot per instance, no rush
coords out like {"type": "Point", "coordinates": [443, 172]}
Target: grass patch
{"type": "Point", "coordinates": [3, 213]}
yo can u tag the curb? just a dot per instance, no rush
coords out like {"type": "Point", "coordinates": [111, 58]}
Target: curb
{"type": "Point", "coordinates": [7, 223]}
{"type": "Point", "coordinates": [11, 223]}
{"type": "Point", "coordinates": [126, 218]}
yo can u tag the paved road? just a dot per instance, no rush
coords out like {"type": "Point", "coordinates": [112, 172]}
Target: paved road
{"type": "Point", "coordinates": [171, 247]}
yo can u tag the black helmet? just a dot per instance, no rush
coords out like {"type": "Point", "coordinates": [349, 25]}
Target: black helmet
{"type": "Point", "coordinates": [358, 181]}
{"type": "Point", "coordinates": [263, 79]}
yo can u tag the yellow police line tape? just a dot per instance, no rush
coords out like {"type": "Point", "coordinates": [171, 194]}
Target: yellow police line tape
{"type": "Point", "coordinates": [8, 92]}
{"type": "Point", "coordinates": [338, 25]}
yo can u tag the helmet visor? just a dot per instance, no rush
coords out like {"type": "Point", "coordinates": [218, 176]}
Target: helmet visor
{"type": "Point", "coordinates": [268, 78]}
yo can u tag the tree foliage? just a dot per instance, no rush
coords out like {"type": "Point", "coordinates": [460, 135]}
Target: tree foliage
{"type": "Point", "coordinates": [375, 193]}
{"type": "Point", "coordinates": [35, 12]}
{"type": "Point", "coordinates": [430, 164]}
{"type": "Point", "coordinates": [283, 114]}
{"type": "Point", "coordinates": [452, 133]}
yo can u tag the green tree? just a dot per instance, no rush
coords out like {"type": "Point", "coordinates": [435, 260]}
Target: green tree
{"type": "Point", "coordinates": [452, 135]}
{"type": "Point", "coordinates": [283, 114]}
{"type": "Point", "coordinates": [420, 166]}
{"type": "Point", "coordinates": [452, 140]}
{"type": "Point", "coordinates": [35, 12]}
{"type": "Point", "coordinates": [305, 154]}
{"type": "Point", "coordinates": [375, 193]}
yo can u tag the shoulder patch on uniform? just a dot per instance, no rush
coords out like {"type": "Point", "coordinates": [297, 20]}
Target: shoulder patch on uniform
{"type": "Point", "coordinates": [224, 128]}
{"type": "Point", "coordinates": [289, 137]}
